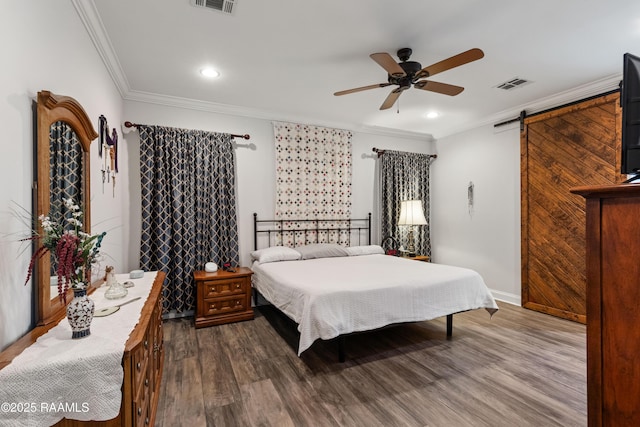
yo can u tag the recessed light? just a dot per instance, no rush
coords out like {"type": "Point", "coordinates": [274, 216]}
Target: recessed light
{"type": "Point", "coordinates": [432, 115]}
{"type": "Point", "coordinates": [209, 72]}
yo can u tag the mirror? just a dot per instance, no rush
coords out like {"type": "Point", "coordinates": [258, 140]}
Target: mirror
{"type": "Point", "coordinates": [64, 135]}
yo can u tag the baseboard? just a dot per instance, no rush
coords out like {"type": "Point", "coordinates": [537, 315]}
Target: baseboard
{"type": "Point", "coordinates": [506, 297]}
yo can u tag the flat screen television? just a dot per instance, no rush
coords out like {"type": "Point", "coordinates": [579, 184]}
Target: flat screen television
{"type": "Point", "coordinates": [630, 102]}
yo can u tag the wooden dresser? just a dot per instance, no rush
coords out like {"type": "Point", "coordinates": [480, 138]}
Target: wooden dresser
{"type": "Point", "coordinates": [142, 362]}
{"type": "Point", "coordinates": [223, 297]}
{"type": "Point", "coordinates": [613, 311]}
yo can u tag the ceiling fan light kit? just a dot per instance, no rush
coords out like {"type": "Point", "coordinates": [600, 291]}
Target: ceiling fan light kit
{"type": "Point", "coordinates": [407, 73]}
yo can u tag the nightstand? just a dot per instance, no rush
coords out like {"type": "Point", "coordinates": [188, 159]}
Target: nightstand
{"type": "Point", "coordinates": [223, 297]}
{"type": "Point", "coordinates": [423, 258]}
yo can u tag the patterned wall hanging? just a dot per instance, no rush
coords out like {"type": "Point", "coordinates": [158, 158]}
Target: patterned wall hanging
{"type": "Point", "coordinates": [313, 179]}
{"type": "Point", "coordinates": [108, 145]}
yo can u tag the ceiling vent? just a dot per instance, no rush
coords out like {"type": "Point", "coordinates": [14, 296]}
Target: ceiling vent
{"type": "Point", "coordinates": [224, 6]}
{"type": "Point", "coordinates": [513, 83]}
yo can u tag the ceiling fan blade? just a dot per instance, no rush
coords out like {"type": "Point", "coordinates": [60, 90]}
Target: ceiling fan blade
{"type": "Point", "coordinates": [359, 89]}
{"type": "Point", "coordinates": [443, 88]}
{"type": "Point", "coordinates": [447, 64]}
{"type": "Point", "coordinates": [387, 62]}
{"type": "Point", "coordinates": [392, 98]}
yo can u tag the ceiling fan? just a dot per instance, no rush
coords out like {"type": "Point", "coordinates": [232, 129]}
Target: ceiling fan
{"type": "Point", "coordinates": [407, 73]}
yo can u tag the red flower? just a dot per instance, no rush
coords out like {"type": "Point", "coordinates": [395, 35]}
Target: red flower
{"type": "Point", "coordinates": [73, 249]}
{"type": "Point", "coordinates": [68, 260]}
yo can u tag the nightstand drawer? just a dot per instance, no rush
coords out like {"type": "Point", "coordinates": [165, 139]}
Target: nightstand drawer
{"type": "Point", "coordinates": [220, 288]}
{"type": "Point", "coordinates": [224, 305]}
{"type": "Point", "coordinates": [223, 297]}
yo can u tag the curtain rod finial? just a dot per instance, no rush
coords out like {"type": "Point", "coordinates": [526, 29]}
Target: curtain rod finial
{"type": "Point", "coordinates": [379, 151]}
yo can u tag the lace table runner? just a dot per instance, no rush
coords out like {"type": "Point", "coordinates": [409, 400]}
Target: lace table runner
{"type": "Point", "coordinates": [81, 379]}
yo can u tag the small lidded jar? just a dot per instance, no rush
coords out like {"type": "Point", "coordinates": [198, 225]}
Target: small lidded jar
{"type": "Point", "coordinates": [115, 290]}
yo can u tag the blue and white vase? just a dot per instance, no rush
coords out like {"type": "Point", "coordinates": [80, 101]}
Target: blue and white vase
{"type": "Point", "coordinates": [80, 312]}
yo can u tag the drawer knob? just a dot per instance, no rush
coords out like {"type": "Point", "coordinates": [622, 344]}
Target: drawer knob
{"type": "Point", "coordinates": [139, 411]}
{"type": "Point", "coordinates": [146, 343]}
{"type": "Point", "coordinates": [146, 382]}
{"type": "Point", "coordinates": [138, 366]}
{"type": "Point", "coordinates": [146, 420]}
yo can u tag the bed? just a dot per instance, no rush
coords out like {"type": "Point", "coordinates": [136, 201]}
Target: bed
{"type": "Point", "coordinates": [332, 290]}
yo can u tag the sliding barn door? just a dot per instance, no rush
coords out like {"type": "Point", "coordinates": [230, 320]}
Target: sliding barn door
{"type": "Point", "coordinates": [568, 147]}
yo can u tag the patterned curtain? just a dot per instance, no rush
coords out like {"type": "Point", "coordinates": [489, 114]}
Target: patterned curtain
{"type": "Point", "coordinates": [313, 181]}
{"type": "Point", "coordinates": [188, 207]}
{"type": "Point", "coordinates": [404, 176]}
{"type": "Point", "coordinates": [65, 170]}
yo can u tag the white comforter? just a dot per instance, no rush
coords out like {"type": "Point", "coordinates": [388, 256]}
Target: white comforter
{"type": "Point", "coordinates": [329, 297]}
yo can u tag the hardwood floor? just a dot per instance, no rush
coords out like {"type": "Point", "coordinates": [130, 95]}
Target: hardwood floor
{"type": "Point", "coordinates": [519, 368]}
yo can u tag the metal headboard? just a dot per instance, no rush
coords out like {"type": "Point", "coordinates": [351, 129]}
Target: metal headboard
{"type": "Point", "coordinates": [308, 231]}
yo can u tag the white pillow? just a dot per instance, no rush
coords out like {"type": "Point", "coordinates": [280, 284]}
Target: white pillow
{"type": "Point", "coordinates": [365, 250]}
{"type": "Point", "coordinates": [274, 254]}
{"type": "Point", "coordinates": [322, 250]}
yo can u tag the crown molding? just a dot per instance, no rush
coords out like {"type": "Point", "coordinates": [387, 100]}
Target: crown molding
{"type": "Point", "coordinates": [90, 17]}
{"type": "Point", "coordinates": [395, 133]}
{"type": "Point", "coordinates": [198, 105]}
{"type": "Point", "coordinates": [598, 87]}
{"type": "Point", "coordinates": [212, 107]}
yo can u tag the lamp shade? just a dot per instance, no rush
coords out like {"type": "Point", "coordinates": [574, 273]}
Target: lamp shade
{"type": "Point", "coordinates": [411, 213]}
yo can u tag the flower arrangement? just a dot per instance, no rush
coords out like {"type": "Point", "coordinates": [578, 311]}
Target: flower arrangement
{"type": "Point", "coordinates": [74, 250]}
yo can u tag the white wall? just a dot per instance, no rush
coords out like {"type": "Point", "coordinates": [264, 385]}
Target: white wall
{"type": "Point", "coordinates": [255, 160]}
{"type": "Point", "coordinates": [46, 47]}
{"type": "Point", "coordinates": [488, 240]}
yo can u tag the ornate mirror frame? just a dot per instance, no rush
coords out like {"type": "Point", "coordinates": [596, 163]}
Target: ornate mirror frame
{"type": "Point", "coordinates": [52, 108]}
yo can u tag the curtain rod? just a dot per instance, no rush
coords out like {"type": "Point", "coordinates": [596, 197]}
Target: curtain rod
{"type": "Point", "coordinates": [128, 124]}
{"type": "Point", "coordinates": [381, 152]}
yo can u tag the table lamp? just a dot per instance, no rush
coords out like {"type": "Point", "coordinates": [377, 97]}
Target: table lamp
{"type": "Point", "coordinates": [411, 214]}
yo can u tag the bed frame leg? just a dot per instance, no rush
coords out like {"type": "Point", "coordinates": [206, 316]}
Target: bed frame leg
{"type": "Point", "coordinates": [341, 353]}
{"type": "Point", "coordinates": [449, 325]}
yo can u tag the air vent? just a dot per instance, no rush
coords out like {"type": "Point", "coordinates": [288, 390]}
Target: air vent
{"type": "Point", "coordinates": [513, 83]}
{"type": "Point", "coordinates": [224, 6]}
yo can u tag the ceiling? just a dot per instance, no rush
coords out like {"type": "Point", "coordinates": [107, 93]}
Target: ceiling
{"type": "Point", "coordinates": [284, 59]}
